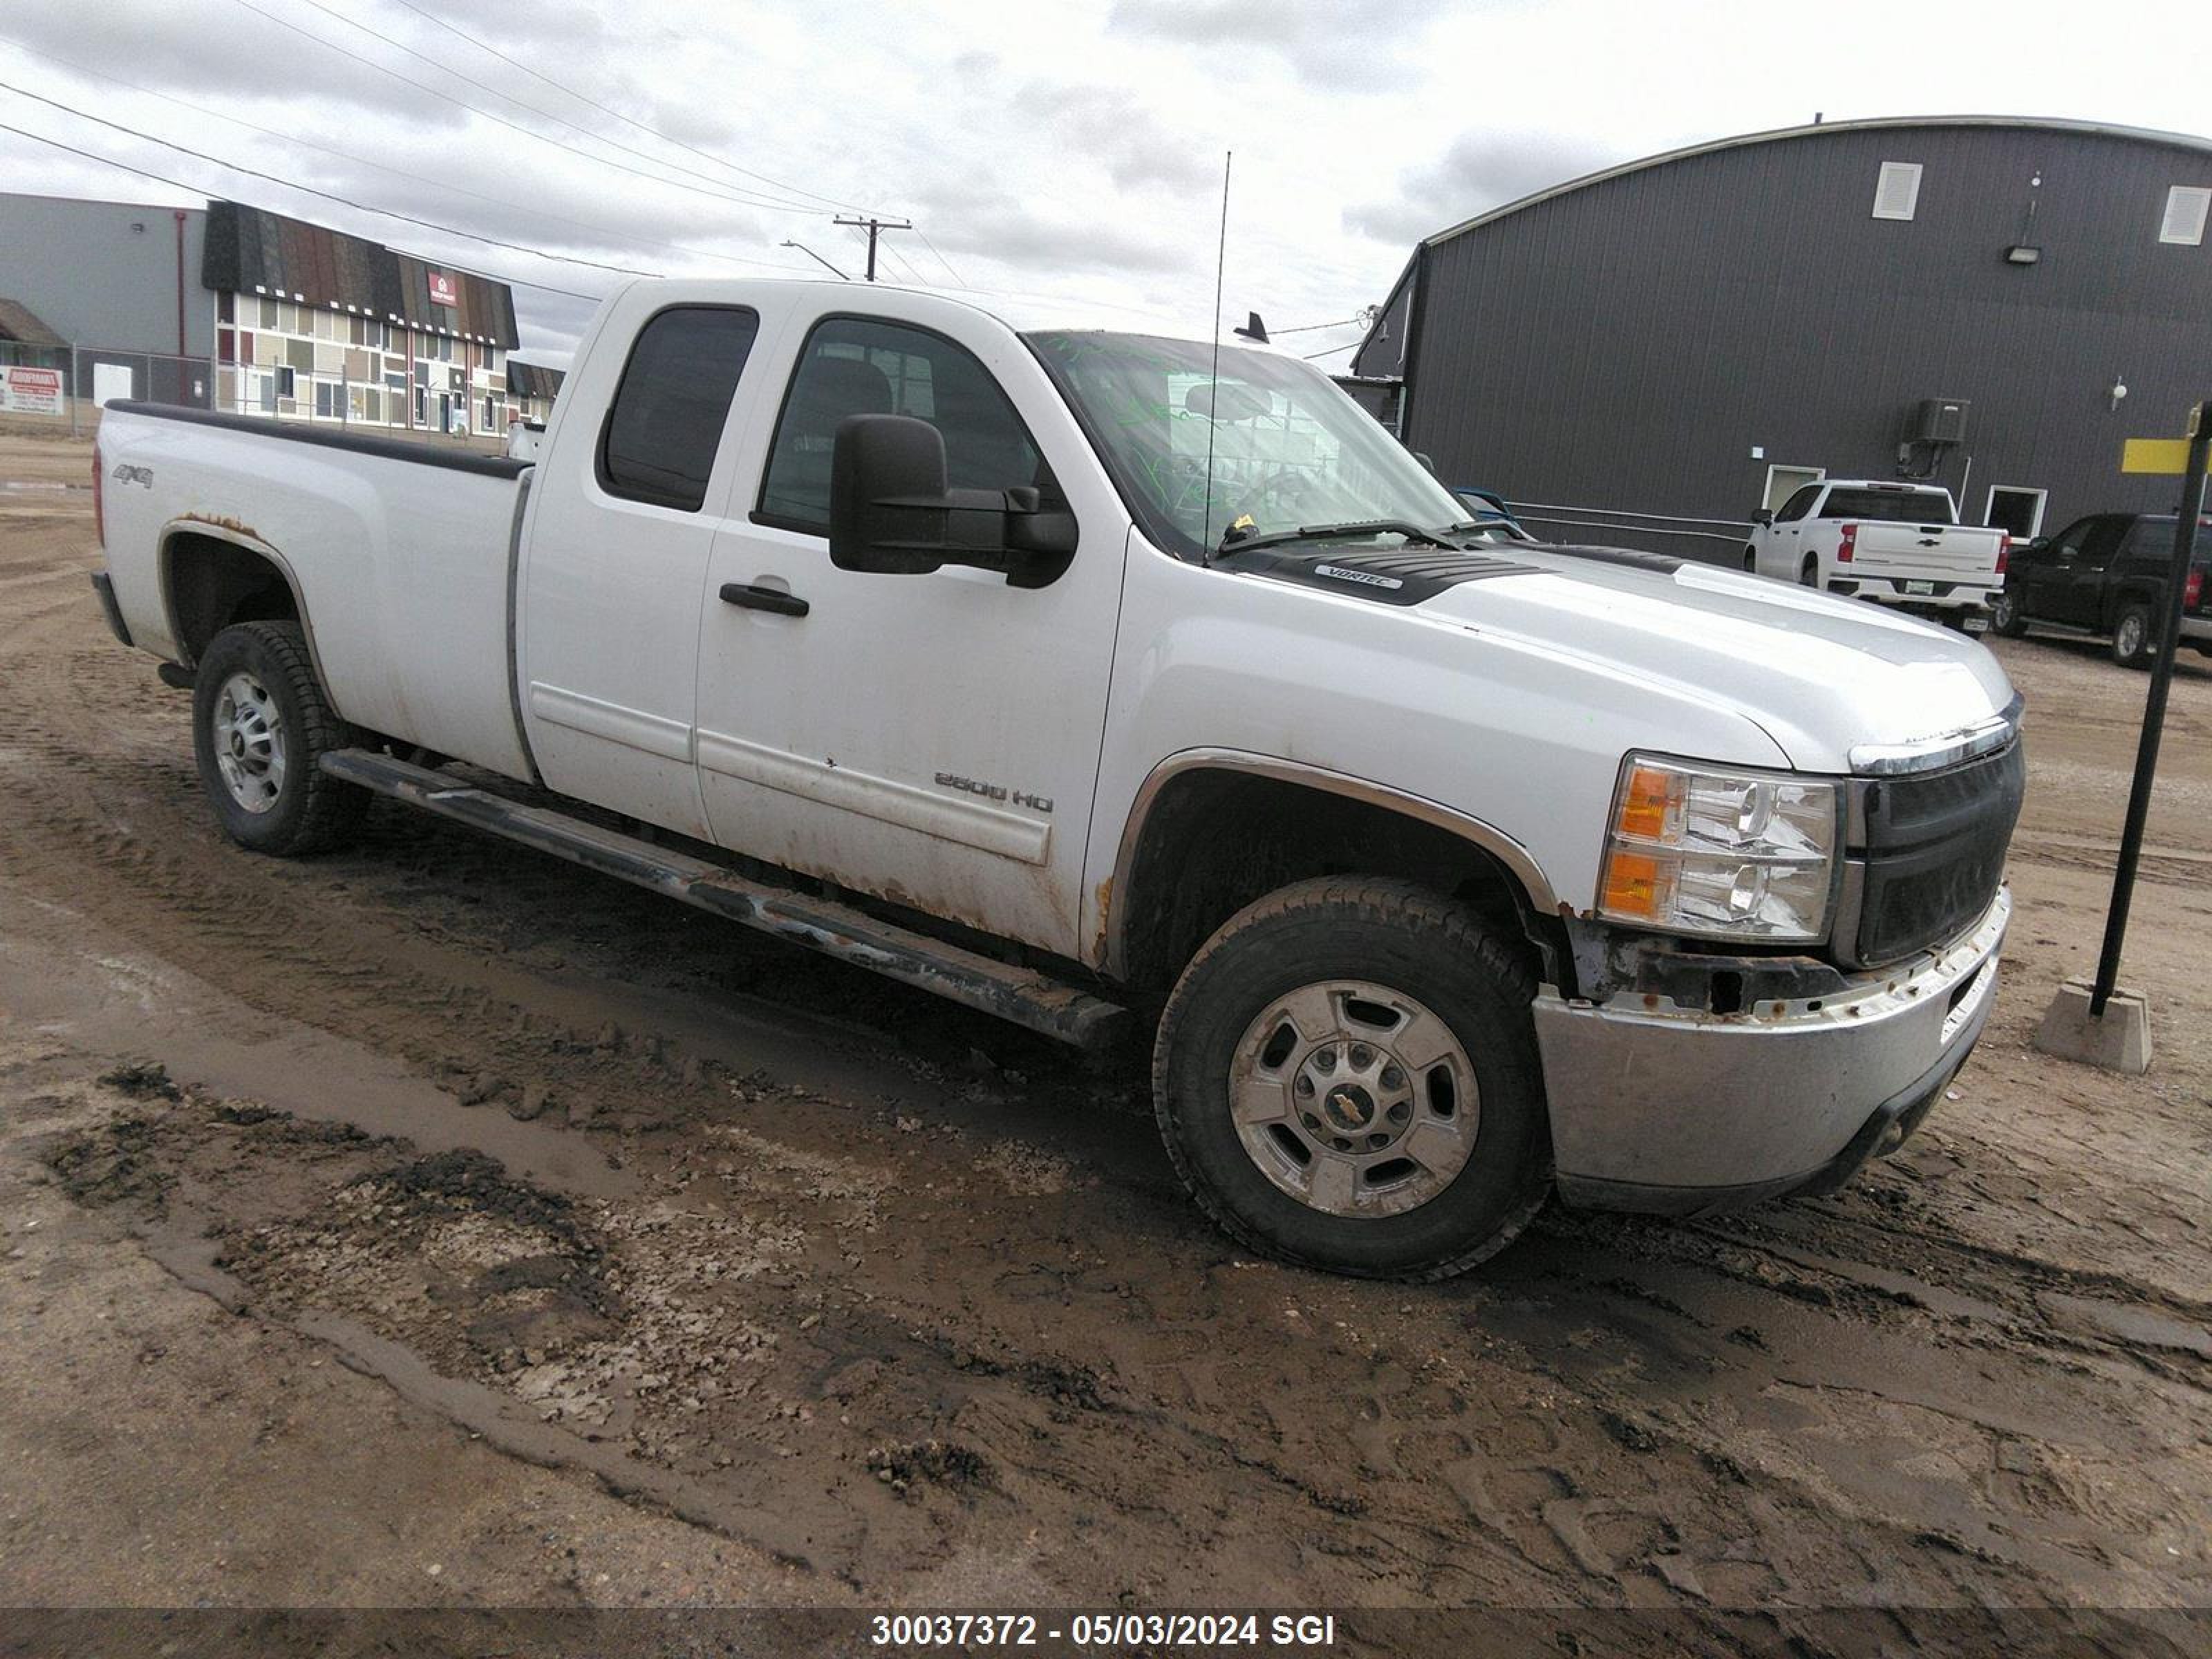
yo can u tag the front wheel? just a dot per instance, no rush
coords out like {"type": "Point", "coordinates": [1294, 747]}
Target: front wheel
{"type": "Point", "coordinates": [1346, 1077]}
{"type": "Point", "coordinates": [1751, 561]}
{"type": "Point", "coordinates": [260, 726]}
{"type": "Point", "coordinates": [2005, 615]}
{"type": "Point", "coordinates": [2132, 647]}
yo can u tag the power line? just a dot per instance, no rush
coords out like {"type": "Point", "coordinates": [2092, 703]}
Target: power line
{"type": "Point", "coordinates": [721, 194]}
{"type": "Point", "coordinates": [1349, 345]}
{"type": "Point", "coordinates": [941, 259]}
{"type": "Point", "coordinates": [328, 196]}
{"type": "Point", "coordinates": [1313, 328]}
{"type": "Point", "coordinates": [360, 161]}
{"type": "Point", "coordinates": [546, 114]}
{"type": "Point", "coordinates": [194, 190]}
{"type": "Point", "coordinates": [794, 190]}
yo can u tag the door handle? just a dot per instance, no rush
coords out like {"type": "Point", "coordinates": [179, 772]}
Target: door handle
{"type": "Point", "coordinates": [754, 596]}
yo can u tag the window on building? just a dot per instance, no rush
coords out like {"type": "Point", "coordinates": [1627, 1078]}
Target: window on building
{"type": "Point", "coordinates": [667, 421]}
{"type": "Point", "coordinates": [1897, 192]}
{"type": "Point", "coordinates": [851, 366]}
{"type": "Point", "coordinates": [226, 306]}
{"type": "Point", "coordinates": [2186, 206]}
{"type": "Point", "coordinates": [286, 381]}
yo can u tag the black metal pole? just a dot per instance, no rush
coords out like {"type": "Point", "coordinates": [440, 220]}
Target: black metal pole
{"type": "Point", "coordinates": [2161, 678]}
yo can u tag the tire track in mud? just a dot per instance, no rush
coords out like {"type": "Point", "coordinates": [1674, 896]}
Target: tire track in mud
{"type": "Point", "coordinates": [1589, 1425]}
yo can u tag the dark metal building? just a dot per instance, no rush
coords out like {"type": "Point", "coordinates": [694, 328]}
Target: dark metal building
{"type": "Point", "coordinates": [1664, 347]}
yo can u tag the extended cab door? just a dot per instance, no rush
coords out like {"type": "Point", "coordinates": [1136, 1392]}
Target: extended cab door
{"type": "Point", "coordinates": [640, 465]}
{"type": "Point", "coordinates": [933, 739]}
{"type": "Point", "coordinates": [2082, 556]}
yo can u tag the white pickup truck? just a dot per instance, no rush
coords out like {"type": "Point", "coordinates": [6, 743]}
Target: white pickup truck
{"type": "Point", "coordinates": [1896, 543]}
{"type": "Point", "coordinates": [1070, 676]}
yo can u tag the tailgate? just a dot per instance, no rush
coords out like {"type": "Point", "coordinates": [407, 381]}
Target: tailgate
{"type": "Point", "coordinates": [1937, 552]}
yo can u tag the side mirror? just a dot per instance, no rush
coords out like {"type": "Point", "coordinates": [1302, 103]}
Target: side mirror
{"type": "Point", "coordinates": [1764, 517]}
{"type": "Point", "coordinates": [892, 512]}
{"type": "Point", "coordinates": [1429, 462]}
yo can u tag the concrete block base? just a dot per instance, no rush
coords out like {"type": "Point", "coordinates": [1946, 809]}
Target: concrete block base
{"type": "Point", "coordinates": [2120, 1041]}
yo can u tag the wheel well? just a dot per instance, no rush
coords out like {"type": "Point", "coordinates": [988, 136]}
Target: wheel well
{"type": "Point", "coordinates": [1214, 841]}
{"type": "Point", "coordinates": [213, 584]}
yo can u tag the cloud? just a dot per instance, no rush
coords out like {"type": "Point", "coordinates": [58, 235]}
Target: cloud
{"type": "Point", "coordinates": [1481, 169]}
{"type": "Point", "coordinates": [1134, 144]}
{"type": "Point", "coordinates": [1347, 44]}
{"type": "Point", "coordinates": [1013, 231]}
{"type": "Point", "coordinates": [212, 54]}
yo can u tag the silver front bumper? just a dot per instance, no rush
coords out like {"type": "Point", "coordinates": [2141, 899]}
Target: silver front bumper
{"type": "Point", "coordinates": [1653, 1106]}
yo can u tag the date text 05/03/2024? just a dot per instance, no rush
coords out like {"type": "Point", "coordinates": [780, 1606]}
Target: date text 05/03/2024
{"type": "Point", "coordinates": [1082, 1630]}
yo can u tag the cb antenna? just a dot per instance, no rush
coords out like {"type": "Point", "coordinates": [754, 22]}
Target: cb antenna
{"type": "Point", "coordinates": [1213, 387]}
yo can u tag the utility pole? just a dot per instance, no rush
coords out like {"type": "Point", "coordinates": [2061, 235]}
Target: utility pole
{"type": "Point", "coordinates": [873, 228]}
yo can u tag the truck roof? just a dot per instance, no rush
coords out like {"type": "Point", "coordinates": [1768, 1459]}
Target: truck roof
{"type": "Point", "coordinates": [1895, 485]}
{"type": "Point", "coordinates": [1023, 313]}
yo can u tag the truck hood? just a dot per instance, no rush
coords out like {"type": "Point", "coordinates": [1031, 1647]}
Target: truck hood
{"type": "Point", "coordinates": [1820, 675]}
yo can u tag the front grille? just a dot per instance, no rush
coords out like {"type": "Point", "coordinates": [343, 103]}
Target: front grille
{"type": "Point", "coordinates": [1934, 852]}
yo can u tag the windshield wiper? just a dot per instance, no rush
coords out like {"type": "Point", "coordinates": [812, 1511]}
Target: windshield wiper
{"type": "Point", "coordinates": [1334, 533]}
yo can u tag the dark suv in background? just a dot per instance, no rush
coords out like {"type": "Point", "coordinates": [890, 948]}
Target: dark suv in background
{"type": "Point", "coordinates": [2108, 575]}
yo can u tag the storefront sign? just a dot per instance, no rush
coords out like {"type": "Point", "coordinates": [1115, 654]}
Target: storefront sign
{"type": "Point", "coordinates": [31, 391]}
{"type": "Point", "coordinates": [444, 290]}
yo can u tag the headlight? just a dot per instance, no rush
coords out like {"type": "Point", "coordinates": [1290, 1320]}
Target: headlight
{"type": "Point", "coordinates": [1742, 855]}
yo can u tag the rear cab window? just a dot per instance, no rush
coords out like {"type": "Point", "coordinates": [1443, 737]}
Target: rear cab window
{"type": "Point", "coordinates": [860, 366]}
{"type": "Point", "coordinates": [1799, 504]}
{"type": "Point", "coordinates": [665, 423]}
{"type": "Point", "coordinates": [1889, 506]}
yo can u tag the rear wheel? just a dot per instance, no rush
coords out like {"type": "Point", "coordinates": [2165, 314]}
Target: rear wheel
{"type": "Point", "coordinates": [2132, 647]}
{"type": "Point", "coordinates": [2005, 616]}
{"type": "Point", "coordinates": [1810, 575]}
{"type": "Point", "coordinates": [260, 726]}
{"type": "Point", "coordinates": [1346, 1077]}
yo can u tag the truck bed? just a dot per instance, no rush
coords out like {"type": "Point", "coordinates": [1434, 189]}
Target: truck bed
{"type": "Point", "coordinates": [400, 555]}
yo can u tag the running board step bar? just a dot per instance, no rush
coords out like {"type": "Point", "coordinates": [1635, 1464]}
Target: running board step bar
{"type": "Point", "coordinates": [1022, 996]}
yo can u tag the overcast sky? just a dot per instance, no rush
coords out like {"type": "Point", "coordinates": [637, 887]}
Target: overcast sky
{"type": "Point", "coordinates": [1069, 152]}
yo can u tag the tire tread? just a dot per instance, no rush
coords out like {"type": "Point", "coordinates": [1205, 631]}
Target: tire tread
{"type": "Point", "coordinates": [332, 811]}
{"type": "Point", "coordinates": [1387, 903]}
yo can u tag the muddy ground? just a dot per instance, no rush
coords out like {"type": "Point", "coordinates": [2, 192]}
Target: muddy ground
{"type": "Point", "coordinates": [437, 1224]}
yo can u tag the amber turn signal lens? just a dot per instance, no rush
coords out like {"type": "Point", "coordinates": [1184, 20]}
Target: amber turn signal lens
{"type": "Point", "coordinates": [1631, 884]}
{"type": "Point", "coordinates": [1644, 804]}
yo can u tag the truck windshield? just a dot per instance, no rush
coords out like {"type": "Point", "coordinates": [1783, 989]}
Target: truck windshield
{"type": "Point", "coordinates": [1889, 506]}
{"type": "Point", "coordinates": [1288, 447]}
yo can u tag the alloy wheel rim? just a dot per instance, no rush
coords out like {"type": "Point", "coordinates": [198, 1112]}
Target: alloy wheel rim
{"type": "Point", "coordinates": [248, 729]}
{"type": "Point", "coordinates": [1355, 1099]}
{"type": "Point", "coordinates": [2131, 635]}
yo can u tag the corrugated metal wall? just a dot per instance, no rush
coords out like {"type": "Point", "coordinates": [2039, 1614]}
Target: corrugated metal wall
{"type": "Point", "coordinates": [105, 273]}
{"type": "Point", "coordinates": [1627, 344]}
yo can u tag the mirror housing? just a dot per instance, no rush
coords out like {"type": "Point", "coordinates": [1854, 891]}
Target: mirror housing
{"type": "Point", "coordinates": [1764, 517]}
{"type": "Point", "coordinates": [892, 512]}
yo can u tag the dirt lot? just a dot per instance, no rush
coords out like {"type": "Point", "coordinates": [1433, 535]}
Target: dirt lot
{"type": "Point", "coordinates": [438, 1223]}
